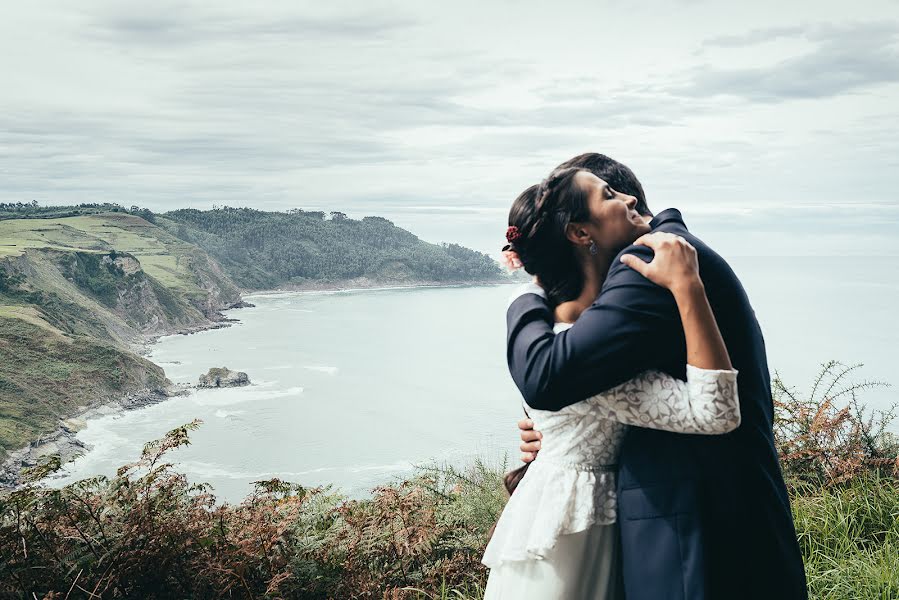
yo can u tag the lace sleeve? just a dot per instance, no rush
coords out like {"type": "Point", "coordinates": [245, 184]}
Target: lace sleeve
{"type": "Point", "coordinates": [706, 403]}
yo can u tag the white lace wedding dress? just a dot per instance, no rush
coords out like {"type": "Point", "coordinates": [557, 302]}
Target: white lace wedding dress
{"type": "Point", "coordinates": [556, 538]}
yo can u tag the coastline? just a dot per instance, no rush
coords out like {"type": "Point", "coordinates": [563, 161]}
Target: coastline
{"type": "Point", "coordinates": [365, 284]}
{"type": "Point", "coordinates": [64, 442]}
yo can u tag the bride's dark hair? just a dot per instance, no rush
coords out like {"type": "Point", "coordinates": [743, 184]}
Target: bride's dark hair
{"type": "Point", "coordinates": [541, 214]}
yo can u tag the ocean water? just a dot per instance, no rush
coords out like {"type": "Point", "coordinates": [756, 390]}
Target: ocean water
{"type": "Point", "coordinates": [355, 388]}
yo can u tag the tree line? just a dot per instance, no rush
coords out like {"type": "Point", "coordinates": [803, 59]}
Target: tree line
{"type": "Point", "coordinates": [264, 249]}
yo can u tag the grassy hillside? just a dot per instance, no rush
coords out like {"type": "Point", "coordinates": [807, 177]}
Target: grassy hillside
{"type": "Point", "coordinates": [46, 374]}
{"type": "Point", "coordinates": [178, 266]}
{"type": "Point", "coordinates": [75, 293]}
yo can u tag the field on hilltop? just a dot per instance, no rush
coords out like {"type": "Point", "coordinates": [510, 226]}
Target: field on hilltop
{"type": "Point", "coordinates": [161, 255]}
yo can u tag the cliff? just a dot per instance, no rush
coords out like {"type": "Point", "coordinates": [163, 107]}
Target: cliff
{"type": "Point", "coordinates": [78, 298]}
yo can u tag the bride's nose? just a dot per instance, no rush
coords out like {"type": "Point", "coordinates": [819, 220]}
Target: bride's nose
{"type": "Point", "coordinates": [631, 201]}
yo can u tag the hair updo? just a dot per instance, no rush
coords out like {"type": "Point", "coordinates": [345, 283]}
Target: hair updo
{"type": "Point", "coordinates": [541, 215]}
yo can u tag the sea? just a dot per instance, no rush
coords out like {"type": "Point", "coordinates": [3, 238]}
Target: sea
{"type": "Point", "coordinates": [359, 388]}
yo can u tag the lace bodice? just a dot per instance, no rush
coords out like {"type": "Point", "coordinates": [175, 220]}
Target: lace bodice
{"type": "Point", "coordinates": [571, 485]}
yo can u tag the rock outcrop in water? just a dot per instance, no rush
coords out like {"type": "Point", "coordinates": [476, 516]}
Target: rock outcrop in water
{"type": "Point", "coordinates": [223, 377]}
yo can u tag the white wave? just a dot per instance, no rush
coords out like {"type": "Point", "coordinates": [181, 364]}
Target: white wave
{"type": "Point", "coordinates": [171, 363]}
{"type": "Point", "coordinates": [291, 391]}
{"type": "Point", "coordinates": [224, 414]}
{"type": "Point", "coordinates": [265, 382]}
{"type": "Point", "coordinates": [322, 369]}
{"type": "Point", "coordinates": [202, 469]}
{"type": "Point", "coordinates": [397, 466]}
{"type": "Point", "coordinates": [229, 396]}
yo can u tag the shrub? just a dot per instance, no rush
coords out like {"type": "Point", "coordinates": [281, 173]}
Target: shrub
{"type": "Point", "coordinates": [148, 533]}
{"type": "Point", "coordinates": [829, 437]}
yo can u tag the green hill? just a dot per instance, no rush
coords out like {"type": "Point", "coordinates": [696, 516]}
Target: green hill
{"type": "Point", "coordinates": [263, 250]}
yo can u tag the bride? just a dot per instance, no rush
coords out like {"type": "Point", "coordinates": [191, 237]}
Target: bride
{"type": "Point", "coordinates": [557, 537]}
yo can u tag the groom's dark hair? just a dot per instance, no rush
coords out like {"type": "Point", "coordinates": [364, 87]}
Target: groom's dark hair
{"type": "Point", "coordinates": [617, 175]}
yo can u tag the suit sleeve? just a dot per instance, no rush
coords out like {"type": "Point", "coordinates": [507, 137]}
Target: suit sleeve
{"type": "Point", "coordinates": [628, 329]}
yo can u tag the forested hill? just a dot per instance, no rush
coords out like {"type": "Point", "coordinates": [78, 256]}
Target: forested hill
{"type": "Point", "coordinates": [260, 249]}
{"type": "Point", "coordinates": [264, 250]}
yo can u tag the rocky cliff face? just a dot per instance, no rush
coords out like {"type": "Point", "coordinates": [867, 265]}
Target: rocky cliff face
{"type": "Point", "coordinates": [221, 292]}
{"type": "Point", "coordinates": [111, 296]}
{"type": "Point", "coordinates": [78, 298]}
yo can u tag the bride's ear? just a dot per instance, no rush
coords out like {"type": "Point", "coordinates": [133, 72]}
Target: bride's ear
{"type": "Point", "coordinates": [577, 234]}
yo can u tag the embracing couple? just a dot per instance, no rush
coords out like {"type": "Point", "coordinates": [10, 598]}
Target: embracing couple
{"type": "Point", "coordinates": [652, 472]}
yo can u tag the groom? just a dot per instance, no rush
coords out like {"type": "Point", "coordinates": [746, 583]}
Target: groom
{"type": "Point", "coordinates": [701, 517]}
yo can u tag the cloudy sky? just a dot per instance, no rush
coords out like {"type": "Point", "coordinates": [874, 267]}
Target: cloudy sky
{"type": "Point", "coordinates": [774, 126]}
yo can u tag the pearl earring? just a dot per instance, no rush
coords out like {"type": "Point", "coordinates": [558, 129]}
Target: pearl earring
{"type": "Point", "coordinates": [593, 248]}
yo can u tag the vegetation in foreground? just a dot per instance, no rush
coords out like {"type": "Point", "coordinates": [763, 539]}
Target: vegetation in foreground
{"type": "Point", "coordinates": [147, 532]}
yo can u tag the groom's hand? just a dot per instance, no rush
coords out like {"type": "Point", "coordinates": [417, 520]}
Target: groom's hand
{"type": "Point", "coordinates": [530, 440]}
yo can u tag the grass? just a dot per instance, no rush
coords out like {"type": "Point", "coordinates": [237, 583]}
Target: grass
{"type": "Point", "coordinates": [162, 256]}
{"type": "Point", "coordinates": [20, 234]}
{"type": "Point", "coordinates": [850, 539]}
{"type": "Point", "coordinates": [29, 314]}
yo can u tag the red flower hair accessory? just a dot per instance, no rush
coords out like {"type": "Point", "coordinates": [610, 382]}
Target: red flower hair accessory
{"type": "Point", "coordinates": [512, 234]}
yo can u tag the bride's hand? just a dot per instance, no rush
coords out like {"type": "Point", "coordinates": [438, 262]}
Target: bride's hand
{"type": "Point", "coordinates": [674, 265]}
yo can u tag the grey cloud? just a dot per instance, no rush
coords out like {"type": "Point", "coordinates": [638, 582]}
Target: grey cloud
{"type": "Point", "coordinates": [181, 24]}
{"type": "Point", "coordinates": [755, 36]}
{"type": "Point", "coordinates": [845, 59]}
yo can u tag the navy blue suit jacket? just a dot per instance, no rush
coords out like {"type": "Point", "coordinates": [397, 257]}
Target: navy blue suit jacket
{"type": "Point", "coordinates": [701, 517]}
